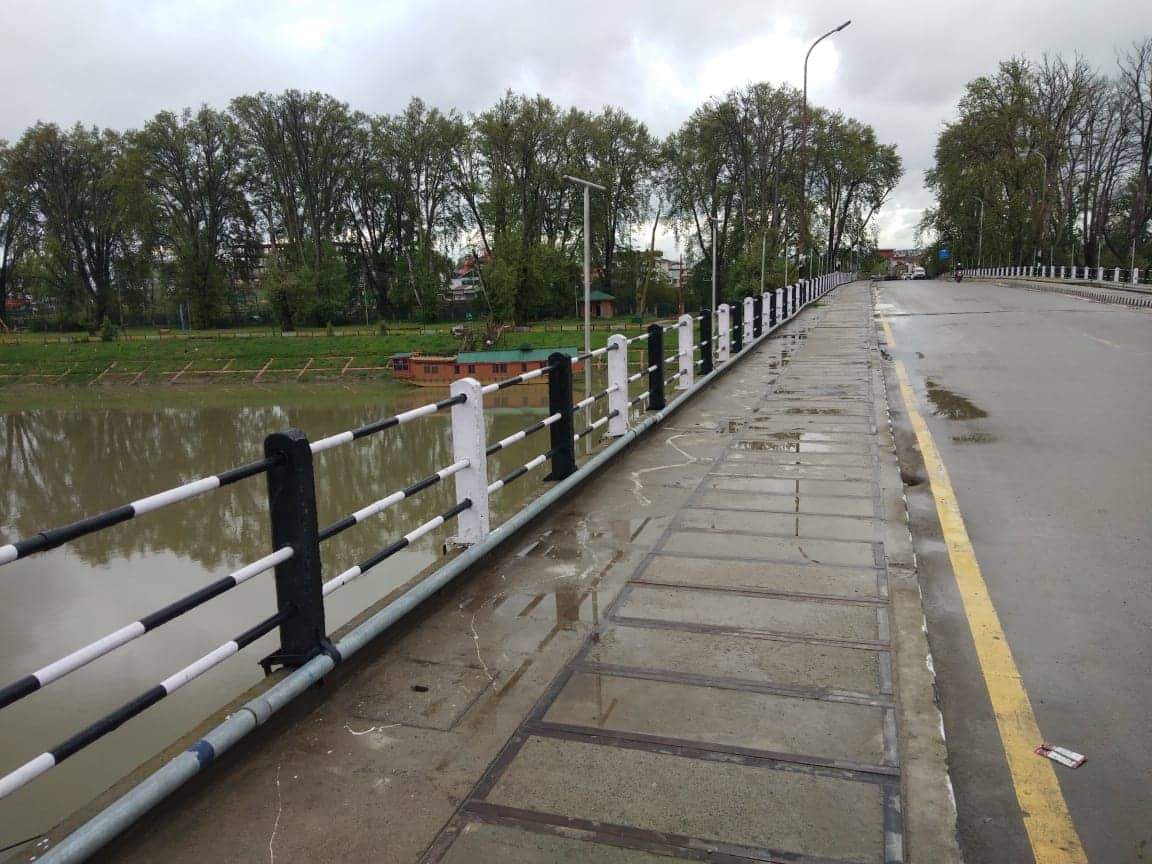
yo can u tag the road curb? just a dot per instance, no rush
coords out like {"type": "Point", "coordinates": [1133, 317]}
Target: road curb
{"type": "Point", "coordinates": [930, 818]}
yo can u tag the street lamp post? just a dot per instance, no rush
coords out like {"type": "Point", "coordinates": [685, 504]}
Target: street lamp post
{"type": "Point", "coordinates": [1043, 198]}
{"type": "Point", "coordinates": [587, 279]}
{"type": "Point", "coordinates": [713, 220]}
{"type": "Point", "coordinates": [804, 142]}
{"type": "Point", "coordinates": [980, 234]}
{"type": "Point", "coordinates": [763, 259]}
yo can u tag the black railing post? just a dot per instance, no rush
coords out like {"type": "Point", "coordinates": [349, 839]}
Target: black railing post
{"type": "Point", "coordinates": [772, 308]}
{"type": "Point", "coordinates": [737, 326]}
{"type": "Point", "coordinates": [707, 349]}
{"type": "Point", "coordinates": [656, 376]}
{"type": "Point", "coordinates": [758, 312]}
{"type": "Point", "coordinates": [560, 402]}
{"type": "Point", "coordinates": [292, 507]}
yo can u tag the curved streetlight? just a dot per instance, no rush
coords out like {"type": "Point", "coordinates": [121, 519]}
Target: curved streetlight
{"type": "Point", "coordinates": [1043, 196]}
{"type": "Point", "coordinates": [588, 185]}
{"type": "Point", "coordinates": [980, 235]}
{"type": "Point", "coordinates": [804, 142]}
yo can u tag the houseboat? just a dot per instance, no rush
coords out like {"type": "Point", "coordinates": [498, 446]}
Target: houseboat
{"type": "Point", "coordinates": [487, 367]}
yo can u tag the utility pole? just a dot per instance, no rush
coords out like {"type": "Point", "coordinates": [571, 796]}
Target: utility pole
{"type": "Point", "coordinates": [713, 220]}
{"type": "Point", "coordinates": [587, 283]}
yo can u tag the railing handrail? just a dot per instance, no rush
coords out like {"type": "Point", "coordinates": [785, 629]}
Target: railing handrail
{"type": "Point", "coordinates": [297, 538]}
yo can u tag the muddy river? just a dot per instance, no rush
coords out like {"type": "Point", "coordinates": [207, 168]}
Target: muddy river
{"type": "Point", "coordinates": [72, 452]}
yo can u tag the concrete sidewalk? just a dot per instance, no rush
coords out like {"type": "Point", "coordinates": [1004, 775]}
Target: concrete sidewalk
{"type": "Point", "coordinates": [712, 652]}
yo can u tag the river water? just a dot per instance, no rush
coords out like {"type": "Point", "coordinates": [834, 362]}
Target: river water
{"type": "Point", "coordinates": [69, 453]}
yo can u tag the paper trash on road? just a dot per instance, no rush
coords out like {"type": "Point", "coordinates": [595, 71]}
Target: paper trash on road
{"type": "Point", "coordinates": [1064, 756]}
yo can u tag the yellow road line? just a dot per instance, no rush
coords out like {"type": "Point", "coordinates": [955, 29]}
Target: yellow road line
{"type": "Point", "coordinates": [1049, 825]}
{"type": "Point", "coordinates": [888, 333]}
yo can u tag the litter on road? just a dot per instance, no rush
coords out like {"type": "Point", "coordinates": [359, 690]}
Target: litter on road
{"type": "Point", "coordinates": [1064, 756]}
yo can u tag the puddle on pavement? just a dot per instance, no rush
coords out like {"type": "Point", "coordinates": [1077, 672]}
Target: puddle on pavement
{"type": "Point", "coordinates": [945, 403]}
{"type": "Point", "coordinates": [974, 438]}
{"type": "Point", "coordinates": [815, 411]}
{"type": "Point", "coordinates": [781, 446]}
{"type": "Point", "coordinates": [910, 479]}
{"type": "Point", "coordinates": [920, 354]}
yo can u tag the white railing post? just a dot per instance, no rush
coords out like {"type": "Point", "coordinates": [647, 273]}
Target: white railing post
{"type": "Point", "coordinates": [1099, 274]}
{"type": "Point", "coordinates": [723, 334]}
{"type": "Point", "coordinates": [685, 353]}
{"type": "Point", "coordinates": [780, 306]}
{"type": "Point", "coordinates": [764, 310]}
{"type": "Point", "coordinates": [749, 314]}
{"type": "Point", "coordinates": [468, 442]}
{"type": "Point", "coordinates": [618, 378]}
{"type": "Point", "coordinates": [1134, 276]}
{"type": "Point", "coordinates": [1116, 275]}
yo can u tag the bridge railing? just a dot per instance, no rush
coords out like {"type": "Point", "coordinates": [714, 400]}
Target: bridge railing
{"type": "Point", "coordinates": [1118, 277]}
{"type": "Point", "coordinates": [719, 338]}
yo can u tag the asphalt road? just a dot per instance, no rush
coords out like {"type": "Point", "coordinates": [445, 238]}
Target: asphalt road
{"type": "Point", "coordinates": [1041, 407]}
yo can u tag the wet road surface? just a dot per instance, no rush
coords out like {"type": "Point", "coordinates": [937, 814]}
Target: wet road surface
{"type": "Point", "coordinates": [1041, 407]}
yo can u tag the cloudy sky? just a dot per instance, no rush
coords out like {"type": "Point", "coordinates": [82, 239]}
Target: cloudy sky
{"type": "Point", "coordinates": [901, 66]}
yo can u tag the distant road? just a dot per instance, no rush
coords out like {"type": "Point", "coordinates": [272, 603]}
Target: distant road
{"type": "Point", "coordinates": [1043, 418]}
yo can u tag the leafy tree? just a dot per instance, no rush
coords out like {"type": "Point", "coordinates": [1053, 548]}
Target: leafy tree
{"type": "Point", "coordinates": [190, 169]}
{"type": "Point", "coordinates": [1060, 156]}
{"type": "Point", "coordinates": [15, 226]}
{"type": "Point", "coordinates": [298, 149]}
{"type": "Point", "coordinates": [70, 179]}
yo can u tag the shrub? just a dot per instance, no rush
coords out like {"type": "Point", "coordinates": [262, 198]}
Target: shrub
{"type": "Point", "coordinates": [109, 332]}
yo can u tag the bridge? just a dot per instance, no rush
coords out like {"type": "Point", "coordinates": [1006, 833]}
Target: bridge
{"type": "Point", "coordinates": [708, 639]}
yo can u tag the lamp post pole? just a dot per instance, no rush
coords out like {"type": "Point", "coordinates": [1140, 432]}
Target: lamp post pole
{"type": "Point", "coordinates": [763, 259]}
{"type": "Point", "coordinates": [980, 234]}
{"type": "Point", "coordinates": [784, 246]}
{"type": "Point", "coordinates": [587, 280]}
{"type": "Point", "coordinates": [1036, 256]}
{"type": "Point", "coordinates": [804, 143]}
{"type": "Point", "coordinates": [713, 220]}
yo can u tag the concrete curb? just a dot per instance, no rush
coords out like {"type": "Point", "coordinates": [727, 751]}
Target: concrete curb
{"type": "Point", "coordinates": [930, 819]}
{"type": "Point", "coordinates": [1132, 297]}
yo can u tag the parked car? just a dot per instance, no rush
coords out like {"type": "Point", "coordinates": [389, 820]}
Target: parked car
{"type": "Point", "coordinates": [919, 273]}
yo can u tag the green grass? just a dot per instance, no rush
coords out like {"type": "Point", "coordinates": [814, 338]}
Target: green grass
{"type": "Point", "coordinates": [146, 355]}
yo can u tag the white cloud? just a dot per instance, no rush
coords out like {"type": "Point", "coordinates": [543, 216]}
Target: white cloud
{"type": "Point", "coordinates": [900, 66]}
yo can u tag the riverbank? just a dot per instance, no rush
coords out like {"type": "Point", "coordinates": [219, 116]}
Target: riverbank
{"type": "Point", "coordinates": [246, 357]}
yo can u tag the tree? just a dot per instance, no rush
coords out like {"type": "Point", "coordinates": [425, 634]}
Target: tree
{"type": "Point", "coordinates": [1059, 154]}
{"type": "Point", "coordinates": [737, 158]}
{"type": "Point", "coordinates": [422, 144]}
{"type": "Point", "coordinates": [71, 182]}
{"type": "Point", "coordinates": [15, 226]}
{"type": "Point", "coordinates": [191, 170]}
{"type": "Point", "coordinates": [299, 147]}
{"type": "Point", "coordinates": [854, 174]}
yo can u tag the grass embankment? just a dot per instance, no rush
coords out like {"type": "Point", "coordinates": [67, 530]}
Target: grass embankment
{"type": "Point", "coordinates": [151, 356]}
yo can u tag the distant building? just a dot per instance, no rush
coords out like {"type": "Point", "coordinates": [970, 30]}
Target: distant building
{"type": "Point", "coordinates": [901, 260]}
{"type": "Point", "coordinates": [602, 304]}
{"type": "Point", "coordinates": [464, 286]}
{"type": "Point", "coordinates": [488, 367]}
